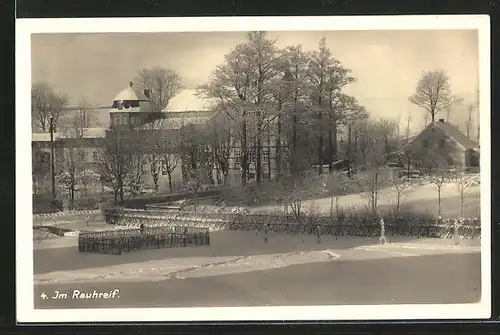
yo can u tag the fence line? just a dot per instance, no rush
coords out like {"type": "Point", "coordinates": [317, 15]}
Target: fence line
{"type": "Point", "coordinates": [117, 242]}
{"type": "Point", "coordinates": [349, 226]}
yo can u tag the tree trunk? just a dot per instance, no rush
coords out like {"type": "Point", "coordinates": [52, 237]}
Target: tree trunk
{"type": "Point", "coordinates": [294, 154]}
{"type": "Point", "coordinates": [120, 183]}
{"type": "Point", "coordinates": [258, 158]}
{"type": "Point", "coordinates": [330, 150]}
{"type": "Point", "coordinates": [439, 201]}
{"type": "Point", "coordinates": [331, 206]}
{"type": "Point", "coordinates": [334, 155]}
{"type": "Point", "coordinates": [155, 181]}
{"type": "Point", "coordinates": [218, 174]}
{"type": "Point", "coordinates": [349, 135]}
{"type": "Point", "coordinates": [462, 205]}
{"type": "Point", "coordinates": [244, 153]}
{"type": "Point", "coordinates": [170, 186]}
{"type": "Point", "coordinates": [320, 145]}
{"type": "Point", "coordinates": [277, 149]}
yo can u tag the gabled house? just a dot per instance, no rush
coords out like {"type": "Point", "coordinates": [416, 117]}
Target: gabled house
{"type": "Point", "coordinates": [442, 145]}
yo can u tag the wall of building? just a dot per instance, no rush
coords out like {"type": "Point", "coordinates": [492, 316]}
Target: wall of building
{"type": "Point", "coordinates": [434, 148]}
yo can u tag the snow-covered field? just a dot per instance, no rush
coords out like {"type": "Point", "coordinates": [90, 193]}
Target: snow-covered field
{"type": "Point", "coordinates": [198, 267]}
{"type": "Point", "coordinates": [421, 197]}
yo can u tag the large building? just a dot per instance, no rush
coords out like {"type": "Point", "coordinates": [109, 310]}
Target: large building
{"type": "Point", "coordinates": [87, 129]}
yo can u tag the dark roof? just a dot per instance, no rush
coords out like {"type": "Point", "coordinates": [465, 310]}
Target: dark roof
{"type": "Point", "coordinates": [456, 135]}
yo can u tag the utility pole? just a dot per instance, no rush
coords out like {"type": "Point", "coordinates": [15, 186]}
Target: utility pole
{"type": "Point", "coordinates": [409, 119]}
{"type": "Point", "coordinates": [52, 159]}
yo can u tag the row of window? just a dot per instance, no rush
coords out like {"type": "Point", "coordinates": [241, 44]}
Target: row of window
{"type": "Point", "coordinates": [251, 156]}
{"type": "Point", "coordinates": [441, 143]}
{"type": "Point", "coordinates": [121, 119]}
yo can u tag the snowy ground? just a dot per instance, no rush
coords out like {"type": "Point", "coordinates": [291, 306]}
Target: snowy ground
{"type": "Point", "coordinates": [241, 269]}
{"type": "Point", "coordinates": [198, 267]}
{"type": "Point", "coordinates": [422, 198]}
{"type": "Point", "coordinates": [230, 253]}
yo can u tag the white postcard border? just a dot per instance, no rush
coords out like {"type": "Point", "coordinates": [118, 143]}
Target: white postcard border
{"type": "Point", "coordinates": [24, 231]}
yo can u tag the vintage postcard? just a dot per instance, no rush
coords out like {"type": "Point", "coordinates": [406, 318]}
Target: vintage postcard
{"type": "Point", "coordinates": [232, 169]}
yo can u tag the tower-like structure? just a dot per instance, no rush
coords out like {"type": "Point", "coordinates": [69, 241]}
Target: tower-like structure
{"type": "Point", "coordinates": [131, 108]}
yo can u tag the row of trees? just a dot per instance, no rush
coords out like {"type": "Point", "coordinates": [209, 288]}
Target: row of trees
{"type": "Point", "coordinates": [292, 95]}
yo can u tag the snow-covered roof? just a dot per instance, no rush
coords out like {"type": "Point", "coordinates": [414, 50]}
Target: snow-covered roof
{"type": "Point", "coordinates": [187, 100]}
{"type": "Point", "coordinates": [88, 133]}
{"type": "Point", "coordinates": [130, 100]}
{"type": "Point", "coordinates": [455, 134]}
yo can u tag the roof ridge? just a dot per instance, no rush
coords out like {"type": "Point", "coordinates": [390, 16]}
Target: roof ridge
{"type": "Point", "coordinates": [457, 135]}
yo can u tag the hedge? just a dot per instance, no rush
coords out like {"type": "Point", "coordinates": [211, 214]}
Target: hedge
{"type": "Point", "coordinates": [349, 226]}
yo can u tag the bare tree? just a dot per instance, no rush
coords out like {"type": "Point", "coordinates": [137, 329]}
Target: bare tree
{"type": "Point", "coordinates": [46, 105]}
{"type": "Point", "coordinates": [439, 178]}
{"type": "Point", "coordinates": [162, 152]}
{"type": "Point", "coordinates": [463, 183]}
{"type": "Point", "coordinates": [74, 153]}
{"type": "Point", "coordinates": [291, 89]}
{"type": "Point", "coordinates": [170, 160]}
{"type": "Point", "coordinates": [220, 139]}
{"type": "Point", "coordinates": [40, 163]}
{"type": "Point", "coordinates": [388, 131]}
{"type": "Point", "coordinates": [372, 149]}
{"type": "Point", "coordinates": [162, 85]}
{"type": "Point", "coordinates": [335, 185]}
{"type": "Point", "coordinates": [242, 88]}
{"type": "Point", "coordinates": [295, 196]}
{"type": "Point", "coordinates": [87, 177]}
{"type": "Point", "coordinates": [135, 177]}
{"type": "Point", "coordinates": [115, 162]}
{"type": "Point", "coordinates": [433, 93]}
{"type": "Point", "coordinates": [401, 188]}
{"type": "Point", "coordinates": [321, 64]}
{"type": "Point", "coordinates": [154, 140]}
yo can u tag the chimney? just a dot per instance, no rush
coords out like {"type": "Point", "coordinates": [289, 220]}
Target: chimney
{"type": "Point", "coordinates": [146, 93]}
{"type": "Point", "coordinates": [441, 120]}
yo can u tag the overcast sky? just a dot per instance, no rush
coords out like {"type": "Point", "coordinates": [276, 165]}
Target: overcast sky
{"type": "Point", "coordinates": [387, 64]}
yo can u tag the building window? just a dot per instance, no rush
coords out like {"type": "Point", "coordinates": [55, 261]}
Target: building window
{"type": "Point", "coordinates": [120, 119]}
{"type": "Point", "coordinates": [265, 155]}
{"type": "Point", "coordinates": [426, 143]}
{"type": "Point", "coordinates": [237, 156]}
{"type": "Point", "coordinates": [251, 156]}
{"type": "Point", "coordinates": [251, 175]}
{"type": "Point", "coordinates": [441, 143]}
{"type": "Point", "coordinates": [449, 161]}
{"type": "Point", "coordinates": [95, 156]}
{"type": "Point", "coordinates": [136, 121]}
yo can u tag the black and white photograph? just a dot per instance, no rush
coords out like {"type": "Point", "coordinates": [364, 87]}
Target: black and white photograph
{"type": "Point", "coordinates": [206, 169]}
